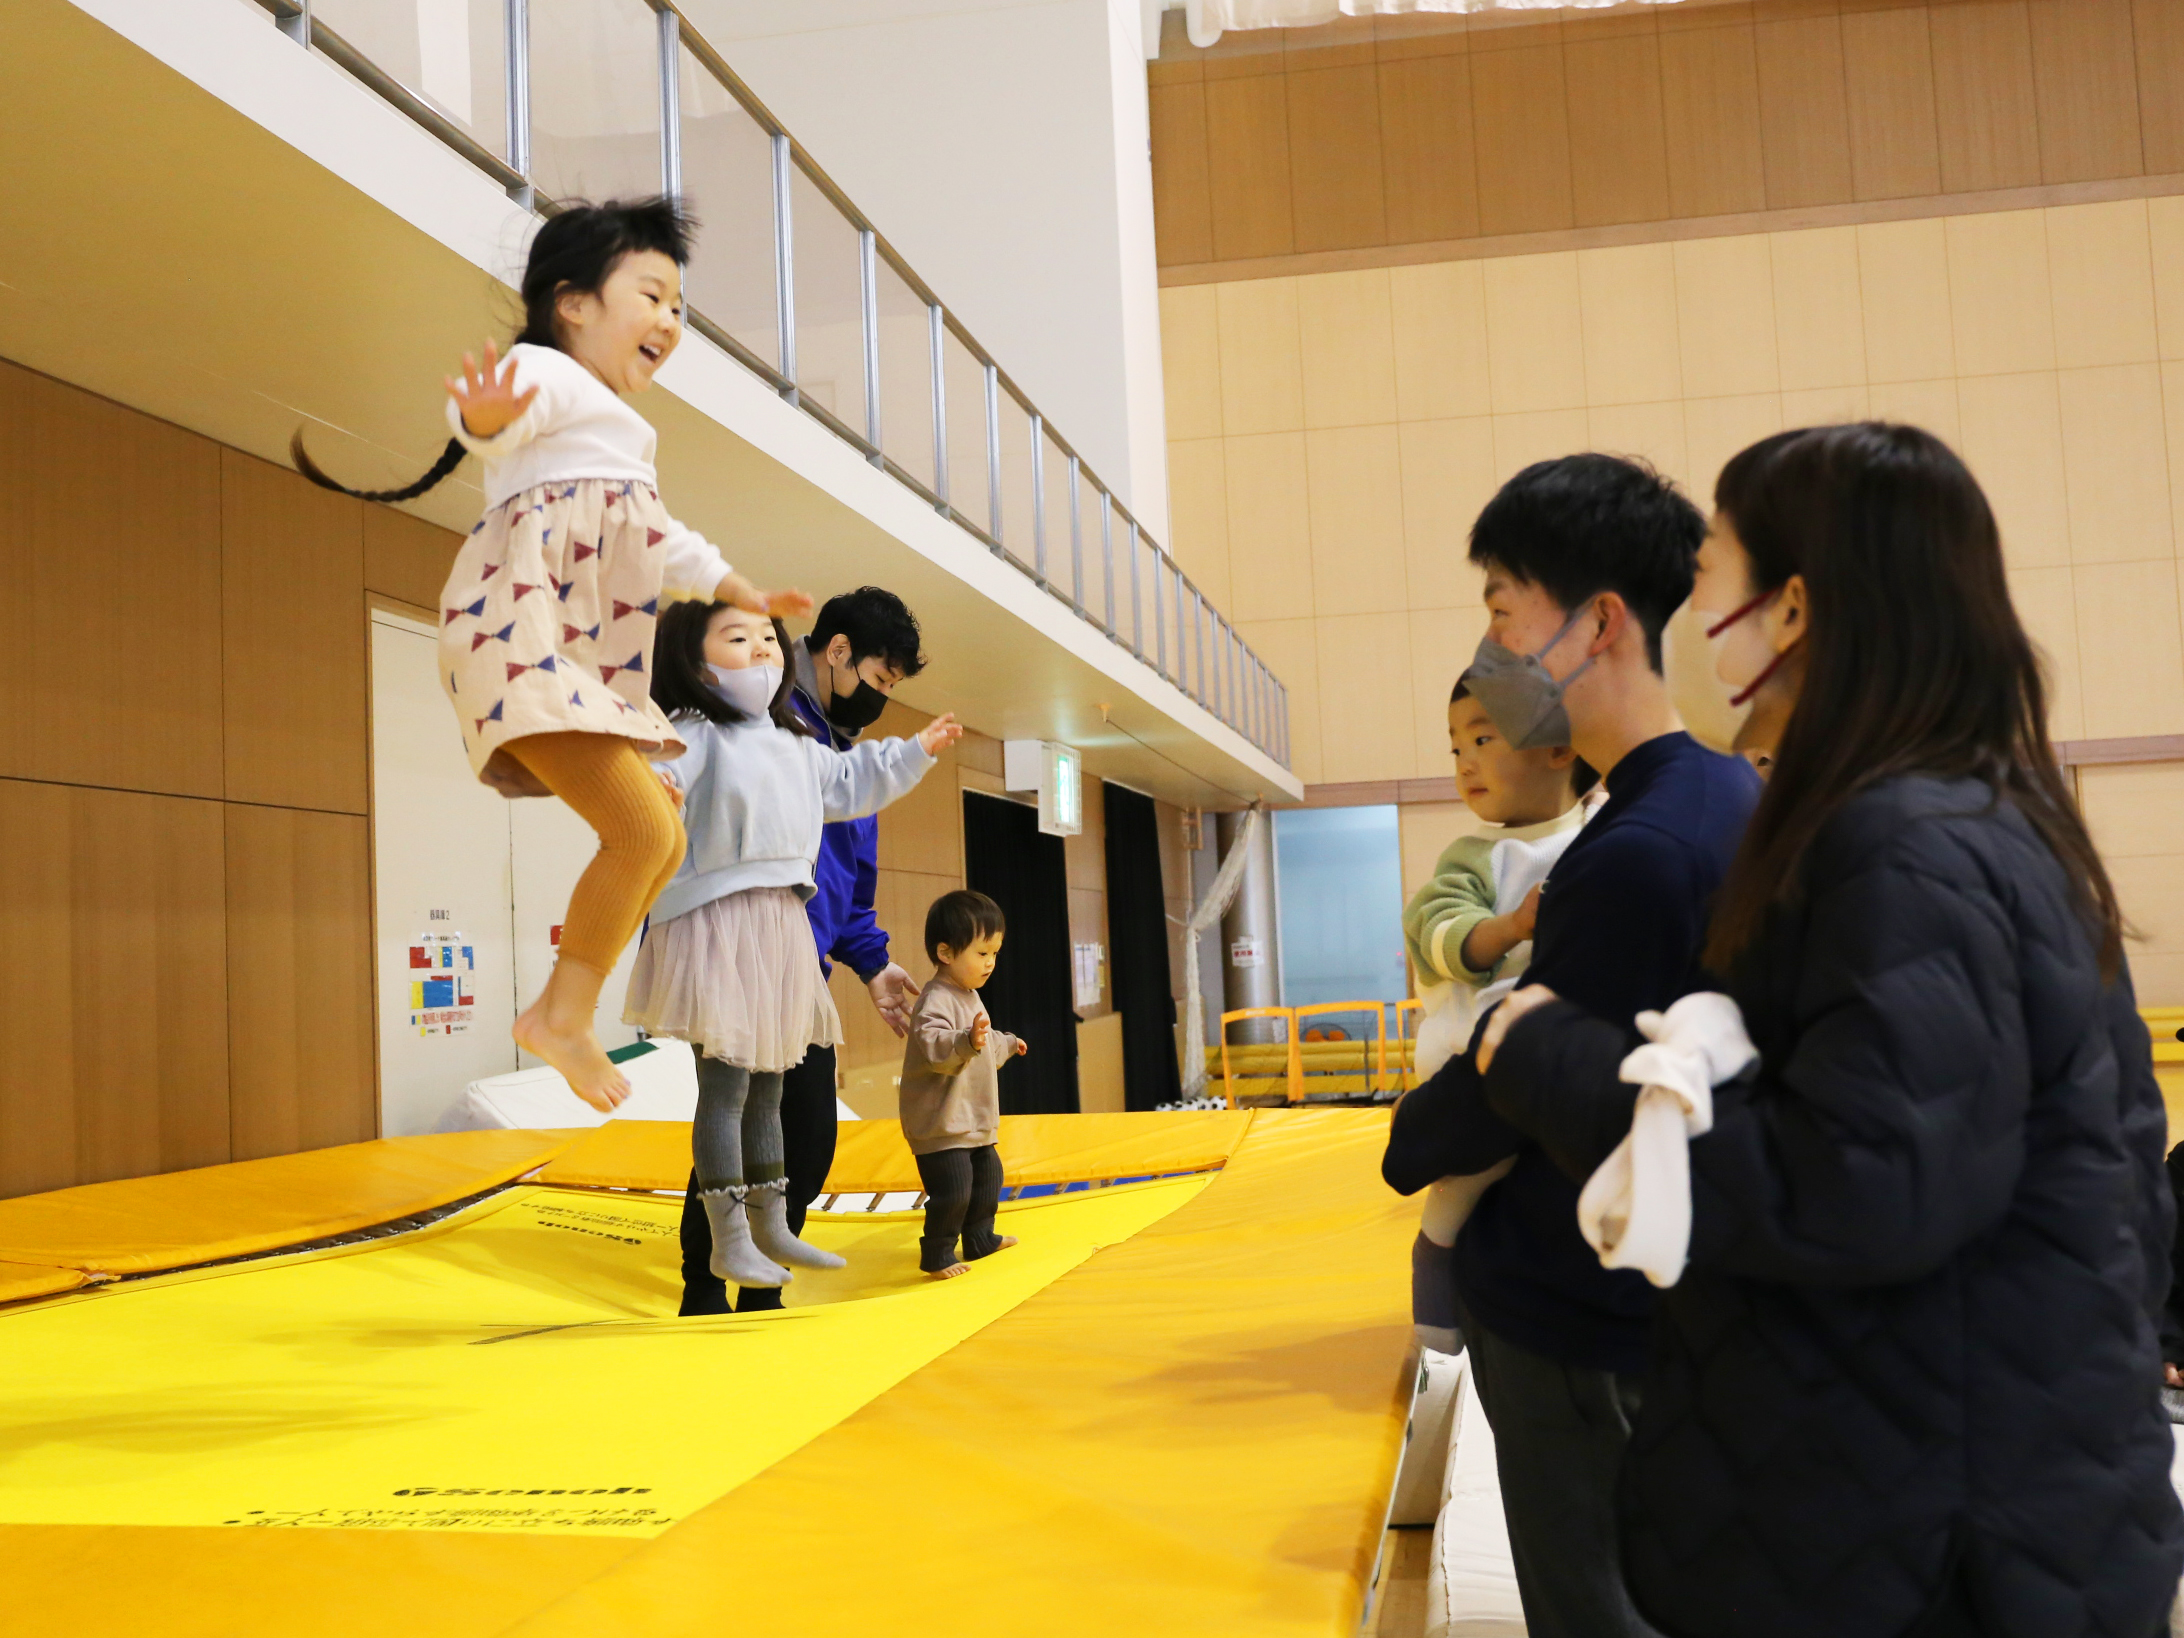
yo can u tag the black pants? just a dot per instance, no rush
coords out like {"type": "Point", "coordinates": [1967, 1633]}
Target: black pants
{"type": "Point", "coordinates": [962, 1193]}
{"type": "Point", "coordinates": [1559, 1433]}
{"type": "Point", "coordinates": [807, 1137]}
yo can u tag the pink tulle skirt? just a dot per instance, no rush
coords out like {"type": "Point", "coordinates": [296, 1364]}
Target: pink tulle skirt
{"type": "Point", "coordinates": [739, 979]}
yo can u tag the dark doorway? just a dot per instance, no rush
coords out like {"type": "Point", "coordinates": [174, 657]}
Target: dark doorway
{"type": "Point", "coordinates": [1009, 861]}
{"type": "Point", "coordinates": [1137, 931]}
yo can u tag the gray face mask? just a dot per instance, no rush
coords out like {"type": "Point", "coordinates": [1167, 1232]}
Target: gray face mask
{"type": "Point", "coordinates": [1518, 693]}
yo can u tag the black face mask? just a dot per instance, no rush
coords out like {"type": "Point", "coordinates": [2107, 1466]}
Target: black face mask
{"type": "Point", "coordinates": [854, 712]}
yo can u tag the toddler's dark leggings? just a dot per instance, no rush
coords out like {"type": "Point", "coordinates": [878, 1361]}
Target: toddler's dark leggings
{"type": "Point", "coordinates": [962, 1193]}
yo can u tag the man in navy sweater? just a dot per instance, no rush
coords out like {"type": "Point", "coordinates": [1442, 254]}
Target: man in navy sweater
{"type": "Point", "coordinates": [1585, 558]}
{"type": "Point", "coordinates": [863, 643]}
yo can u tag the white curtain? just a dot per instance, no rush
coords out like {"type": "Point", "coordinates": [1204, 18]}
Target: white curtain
{"type": "Point", "coordinates": [1205, 19]}
{"type": "Point", "coordinates": [1203, 916]}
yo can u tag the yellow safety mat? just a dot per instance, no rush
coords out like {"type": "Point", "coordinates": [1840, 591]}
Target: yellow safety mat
{"type": "Point", "coordinates": [516, 1368]}
{"type": "Point", "coordinates": [140, 1224]}
{"type": "Point", "coordinates": [1195, 1432]}
{"type": "Point", "coordinates": [870, 1156]}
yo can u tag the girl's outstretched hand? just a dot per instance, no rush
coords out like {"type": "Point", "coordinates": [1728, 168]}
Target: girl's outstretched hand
{"type": "Point", "coordinates": [487, 396]}
{"type": "Point", "coordinates": [737, 590]}
{"type": "Point", "coordinates": [943, 731]}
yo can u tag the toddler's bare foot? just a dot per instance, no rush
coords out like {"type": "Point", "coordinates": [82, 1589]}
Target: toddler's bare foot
{"type": "Point", "coordinates": [1004, 1242]}
{"type": "Point", "coordinates": [575, 1052]}
{"type": "Point", "coordinates": [948, 1273]}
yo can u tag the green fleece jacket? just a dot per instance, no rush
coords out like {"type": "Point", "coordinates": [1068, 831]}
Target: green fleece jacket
{"type": "Point", "coordinates": [1459, 895]}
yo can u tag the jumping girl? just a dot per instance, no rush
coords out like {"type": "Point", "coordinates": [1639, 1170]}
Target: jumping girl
{"type": "Point", "coordinates": [729, 964]}
{"type": "Point", "coordinates": [546, 621]}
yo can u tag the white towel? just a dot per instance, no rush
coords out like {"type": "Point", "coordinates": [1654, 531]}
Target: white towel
{"type": "Point", "coordinates": [1636, 1209]}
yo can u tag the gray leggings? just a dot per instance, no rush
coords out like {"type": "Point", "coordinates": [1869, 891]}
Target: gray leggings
{"type": "Point", "coordinates": [737, 1135]}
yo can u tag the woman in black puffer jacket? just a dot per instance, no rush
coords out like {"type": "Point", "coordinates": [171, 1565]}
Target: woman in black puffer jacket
{"type": "Point", "coordinates": [1908, 1381]}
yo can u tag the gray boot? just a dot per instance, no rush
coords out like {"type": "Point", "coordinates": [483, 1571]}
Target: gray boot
{"type": "Point", "coordinates": [770, 1229]}
{"type": "Point", "coordinates": [735, 1258]}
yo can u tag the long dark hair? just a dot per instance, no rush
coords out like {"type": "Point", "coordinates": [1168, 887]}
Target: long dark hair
{"type": "Point", "coordinates": [575, 249]}
{"type": "Point", "coordinates": [1915, 659]}
{"type": "Point", "coordinates": [682, 687]}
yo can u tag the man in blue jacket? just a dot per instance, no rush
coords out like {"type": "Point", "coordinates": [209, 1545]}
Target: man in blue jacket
{"type": "Point", "coordinates": [863, 643]}
{"type": "Point", "coordinates": [1585, 558]}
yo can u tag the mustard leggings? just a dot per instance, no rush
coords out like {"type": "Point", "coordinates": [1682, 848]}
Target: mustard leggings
{"type": "Point", "coordinates": [607, 780]}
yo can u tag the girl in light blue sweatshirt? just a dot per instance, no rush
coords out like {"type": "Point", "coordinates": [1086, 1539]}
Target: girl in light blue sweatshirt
{"type": "Point", "coordinates": [729, 963]}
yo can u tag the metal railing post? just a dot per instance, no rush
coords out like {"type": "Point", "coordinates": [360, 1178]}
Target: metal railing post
{"type": "Point", "coordinates": [1038, 497]}
{"type": "Point", "coordinates": [1160, 623]}
{"type": "Point", "coordinates": [1198, 641]}
{"type": "Point", "coordinates": [1076, 533]}
{"type": "Point", "coordinates": [868, 283]}
{"type": "Point", "coordinates": [1107, 556]}
{"type": "Point", "coordinates": [1137, 597]}
{"type": "Point", "coordinates": [993, 453]}
{"type": "Point", "coordinates": [937, 323]}
{"type": "Point", "coordinates": [784, 263]}
{"type": "Point", "coordinates": [296, 24]}
{"type": "Point", "coordinates": [670, 104]}
{"type": "Point", "coordinates": [516, 22]}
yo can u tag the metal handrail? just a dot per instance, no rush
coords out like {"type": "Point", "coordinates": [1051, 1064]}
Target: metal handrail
{"type": "Point", "coordinates": [1231, 682]}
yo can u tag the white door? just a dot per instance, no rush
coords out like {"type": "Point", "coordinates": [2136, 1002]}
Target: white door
{"type": "Point", "coordinates": [550, 846]}
{"type": "Point", "coordinates": [440, 850]}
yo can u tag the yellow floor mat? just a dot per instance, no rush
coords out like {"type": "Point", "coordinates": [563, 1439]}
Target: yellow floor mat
{"type": "Point", "coordinates": [510, 1370]}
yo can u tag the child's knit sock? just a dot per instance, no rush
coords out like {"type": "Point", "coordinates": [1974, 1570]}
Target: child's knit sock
{"type": "Point", "coordinates": [770, 1229]}
{"type": "Point", "coordinates": [936, 1252]}
{"type": "Point", "coordinates": [735, 1258]}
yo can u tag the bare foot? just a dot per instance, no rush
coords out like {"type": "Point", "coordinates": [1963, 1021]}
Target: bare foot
{"type": "Point", "coordinates": [948, 1273]}
{"type": "Point", "coordinates": [573, 1051]}
{"type": "Point", "coordinates": [1004, 1242]}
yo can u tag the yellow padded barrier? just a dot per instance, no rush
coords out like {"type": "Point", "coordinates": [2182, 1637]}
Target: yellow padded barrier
{"type": "Point", "coordinates": [1195, 1432]}
{"type": "Point", "coordinates": [141, 1224]}
{"type": "Point", "coordinates": [19, 1281]}
{"type": "Point", "coordinates": [1192, 1432]}
{"type": "Point", "coordinates": [870, 1156]}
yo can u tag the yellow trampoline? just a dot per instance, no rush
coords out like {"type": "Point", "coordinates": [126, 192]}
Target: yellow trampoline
{"type": "Point", "coordinates": [1175, 1407]}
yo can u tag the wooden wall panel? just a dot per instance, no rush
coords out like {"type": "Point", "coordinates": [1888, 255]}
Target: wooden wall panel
{"type": "Point", "coordinates": [1522, 135]}
{"type": "Point", "coordinates": [2085, 72]}
{"type": "Point", "coordinates": [1888, 82]}
{"type": "Point", "coordinates": [1710, 91]}
{"type": "Point", "coordinates": [116, 1009]}
{"type": "Point", "coordinates": [1484, 128]}
{"type": "Point", "coordinates": [297, 695]}
{"type": "Point", "coordinates": [1429, 170]}
{"type": "Point", "coordinates": [1247, 151]}
{"type": "Point", "coordinates": [1334, 158]}
{"type": "Point", "coordinates": [406, 558]}
{"type": "Point", "coordinates": [1985, 107]}
{"type": "Point", "coordinates": [302, 1067]}
{"type": "Point", "coordinates": [2157, 28]}
{"type": "Point", "coordinates": [1804, 120]}
{"type": "Point", "coordinates": [110, 547]}
{"type": "Point", "coordinates": [1182, 186]}
{"type": "Point", "coordinates": [1618, 140]}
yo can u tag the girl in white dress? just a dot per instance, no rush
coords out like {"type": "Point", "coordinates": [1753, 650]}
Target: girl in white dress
{"type": "Point", "coordinates": [546, 620]}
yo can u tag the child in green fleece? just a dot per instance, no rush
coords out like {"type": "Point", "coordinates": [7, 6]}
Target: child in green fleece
{"type": "Point", "coordinates": [1469, 931]}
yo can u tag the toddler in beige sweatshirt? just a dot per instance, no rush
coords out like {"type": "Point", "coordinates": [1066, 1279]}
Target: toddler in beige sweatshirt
{"type": "Point", "coordinates": [951, 1087]}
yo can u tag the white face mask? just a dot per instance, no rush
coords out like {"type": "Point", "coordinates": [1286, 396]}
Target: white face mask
{"type": "Point", "coordinates": [1714, 709]}
{"type": "Point", "coordinates": [750, 690]}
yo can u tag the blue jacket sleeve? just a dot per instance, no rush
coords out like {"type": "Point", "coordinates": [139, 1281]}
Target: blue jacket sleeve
{"type": "Point", "coordinates": [1445, 1129]}
{"type": "Point", "coordinates": [859, 943]}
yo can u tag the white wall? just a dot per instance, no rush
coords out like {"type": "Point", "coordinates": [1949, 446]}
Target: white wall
{"type": "Point", "coordinates": [1003, 147]}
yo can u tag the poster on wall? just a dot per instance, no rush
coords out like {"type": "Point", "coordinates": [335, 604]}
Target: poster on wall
{"type": "Point", "coordinates": [442, 981]}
